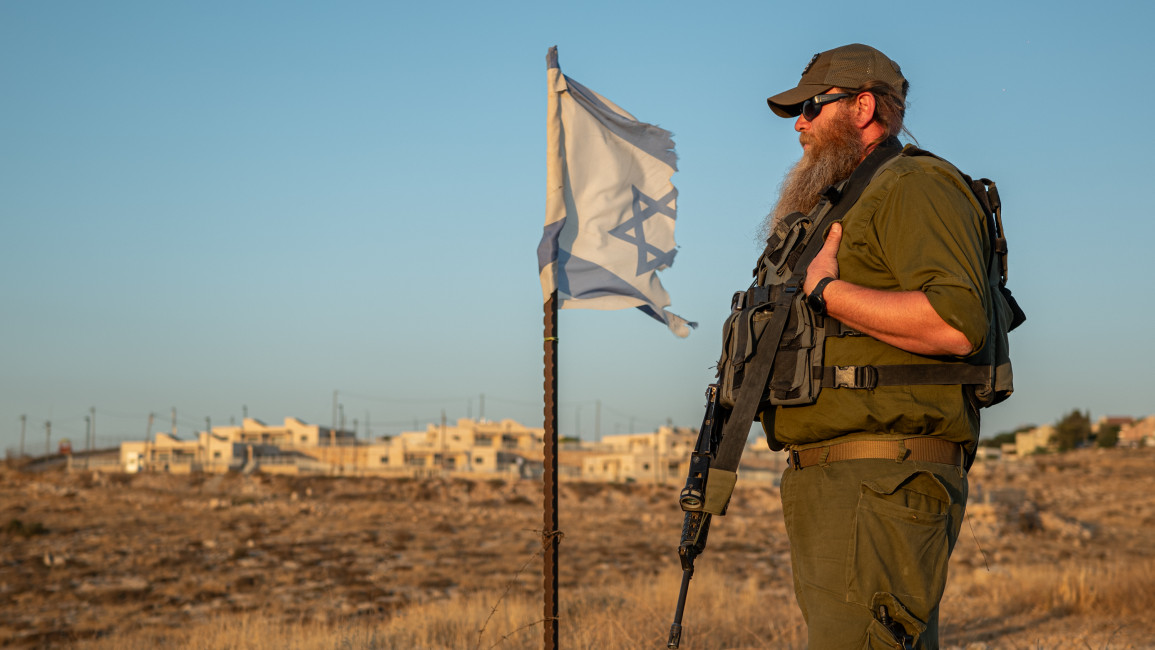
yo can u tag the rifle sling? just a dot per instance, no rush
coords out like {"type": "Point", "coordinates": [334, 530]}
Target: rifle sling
{"type": "Point", "coordinates": [757, 372]}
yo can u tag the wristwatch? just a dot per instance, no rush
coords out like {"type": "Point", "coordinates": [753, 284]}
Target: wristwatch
{"type": "Point", "coordinates": [815, 300]}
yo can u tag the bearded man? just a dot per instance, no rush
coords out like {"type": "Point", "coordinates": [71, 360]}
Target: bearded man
{"type": "Point", "coordinates": [876, 488]}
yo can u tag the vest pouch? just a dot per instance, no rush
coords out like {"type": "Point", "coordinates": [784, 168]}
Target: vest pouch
{"type": "Point", "coordinates": [740, 335]}
{"type": "Point", "coordinates": [996, 352]}
{"type": "Point", "coordinates": [793, 381]}
{"type": "Point", "coordinates": [800, 350]}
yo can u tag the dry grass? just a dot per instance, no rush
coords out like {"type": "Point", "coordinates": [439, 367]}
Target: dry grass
{"type": "Point", "coordinates": [722, 613]}
{"type": "Point", "coordinates": [1006, 607]}
{"type": "Point", "coordinates": [1117, 589]}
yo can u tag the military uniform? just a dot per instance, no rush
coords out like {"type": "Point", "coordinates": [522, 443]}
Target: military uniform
{"type": "Point", "coordinates": [879, 531]}
{"type": "Point", "coordinates": [875, 495]}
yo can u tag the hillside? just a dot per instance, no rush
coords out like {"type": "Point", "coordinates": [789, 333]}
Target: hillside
{"type": "Point", "coordinates": [1056, 552]}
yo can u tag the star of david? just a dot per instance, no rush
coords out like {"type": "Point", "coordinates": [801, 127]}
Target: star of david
{"type": "Point", "coordinates": [650, 257]}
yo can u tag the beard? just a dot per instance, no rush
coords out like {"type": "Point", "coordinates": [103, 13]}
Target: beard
{"type": "Point", "coordinates": [833, 154]}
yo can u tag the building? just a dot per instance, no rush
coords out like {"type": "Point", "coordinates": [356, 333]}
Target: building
{"type": "Point", "coordinates": [465, 448]}
{"type": "Point", "coordinates": [234, 448]}
{"type": "Point", "coordinates": [468, 447]}
{"type": "Point", "coordinates": [1033, 440]}
{"type": "Point", "coordinates": [1138, 433]}
{"type": "Point", "coordinates": [639, 457]}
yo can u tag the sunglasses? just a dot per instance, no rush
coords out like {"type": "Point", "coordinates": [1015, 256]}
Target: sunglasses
{"type": "Point", "coordinates": [812, 108]}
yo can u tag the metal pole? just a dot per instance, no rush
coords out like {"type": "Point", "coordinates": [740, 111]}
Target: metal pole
{"type": "Point", "coordinates": [598, 422]}
{"type": "Point", "coordinates": [333, 429]}
{"type": "Point", "coordinates": [443, 441]}
{"type": "Point", "coordinates": [92, 443]}
{"type": "Point", "coordinates": [550, 534]}
{"type": "Point", "coordinates": [149, 447]}
{"type": "Point", "coordinates": [554, 211]}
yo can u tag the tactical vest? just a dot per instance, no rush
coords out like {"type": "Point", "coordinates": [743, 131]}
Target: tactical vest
{"type": "Point", "coordinates": [796, 373]}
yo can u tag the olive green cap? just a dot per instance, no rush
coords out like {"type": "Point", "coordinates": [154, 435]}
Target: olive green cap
{"type": "Point", "coordinates": [849, 67]}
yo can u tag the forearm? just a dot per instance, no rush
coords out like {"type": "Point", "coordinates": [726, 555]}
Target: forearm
{"type": "Point", "coordinates": [904, 319]}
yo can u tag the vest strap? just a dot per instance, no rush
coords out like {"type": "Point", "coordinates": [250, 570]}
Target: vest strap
{"type": "Point", "coordinates": [869, 377]}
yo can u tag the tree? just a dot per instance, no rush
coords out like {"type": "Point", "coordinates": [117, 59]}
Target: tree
{"type": "Point", "coordinates": [1073, 430]}
{"type": "Point", "coordinates": [1108, 435]}
{"type": "Point", "coordinates": [999, 440]}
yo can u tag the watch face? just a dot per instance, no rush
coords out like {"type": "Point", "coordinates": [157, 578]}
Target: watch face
{"type": "Point", "coordinates": [817, 304]}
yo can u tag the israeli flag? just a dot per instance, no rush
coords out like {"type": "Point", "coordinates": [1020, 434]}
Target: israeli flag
{"type": "Point", "coordinates": [610, 205]}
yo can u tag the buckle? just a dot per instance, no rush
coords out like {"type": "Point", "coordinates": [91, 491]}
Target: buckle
{"type": "Point", "coordinates": [738, 301]}
{"type": "Point", "coordinates": [855, 377]}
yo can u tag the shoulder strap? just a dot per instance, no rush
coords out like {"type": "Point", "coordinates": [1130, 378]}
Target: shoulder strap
{"type": "Point", "coordinates": [835, 204]}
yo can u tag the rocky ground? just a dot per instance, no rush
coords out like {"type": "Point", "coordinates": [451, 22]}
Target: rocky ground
{"type": "Point", "coordinates": [88, 555]}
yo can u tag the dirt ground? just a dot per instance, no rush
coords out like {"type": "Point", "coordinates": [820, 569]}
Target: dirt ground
{"type": "Point", "coordinates": [87, 555]}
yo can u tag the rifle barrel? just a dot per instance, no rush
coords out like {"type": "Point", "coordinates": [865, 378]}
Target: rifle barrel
{"type": "Point", "coordinates": [676, 628]}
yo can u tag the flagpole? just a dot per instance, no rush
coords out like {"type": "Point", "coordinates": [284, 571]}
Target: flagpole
{"type": "Point", "coordinates": [550, 534]}
{"type": "Point", "coordinates": [554, 206]}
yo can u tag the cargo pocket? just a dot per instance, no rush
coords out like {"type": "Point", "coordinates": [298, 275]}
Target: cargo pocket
{"type": "Point", "coordinates": [880, 637]}
{"type": "Point", "coordinates": [900, 544]}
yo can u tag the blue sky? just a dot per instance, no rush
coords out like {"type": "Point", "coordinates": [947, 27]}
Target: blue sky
{"type": "Point", "coordinates": [220, 206]}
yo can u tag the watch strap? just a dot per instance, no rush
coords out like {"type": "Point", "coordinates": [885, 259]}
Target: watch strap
{"type": "Point", "coordinates": [815, 299]}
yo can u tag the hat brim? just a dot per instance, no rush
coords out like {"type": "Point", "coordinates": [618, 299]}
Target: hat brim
{"type": "Point", "coordinates": [789, 103]}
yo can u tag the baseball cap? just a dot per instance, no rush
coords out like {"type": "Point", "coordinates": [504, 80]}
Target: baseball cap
{"type": "Point", "coordinates": [848, 67]}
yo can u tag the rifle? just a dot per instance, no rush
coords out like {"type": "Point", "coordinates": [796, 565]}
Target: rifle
{"type": "Point", "coordinates": [696, 525]}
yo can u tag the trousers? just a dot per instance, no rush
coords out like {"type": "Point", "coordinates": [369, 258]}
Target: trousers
{"type": "Point", "coordinates": [867, 534]}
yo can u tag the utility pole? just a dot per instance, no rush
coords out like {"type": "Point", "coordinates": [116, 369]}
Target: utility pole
{"type": "Point", "coordinates": [23, 421]}
{"type": "Point", "coordinates": [204, 448]}
{"type": "Point", "coordinates": [482, 415]}
{"type": "Point", "coordinates": [174, 421]}
{"type": "Point", "coordinates": [87, 432]}
{"type": "Point", "coordinates": [442, 440]}
{"type": "Point", "coordinates": [148, 441]}
{"type": "Point", "coordinates": [92, 444]}
{"type": "Point", "coordinates": [341, 408]}
{"type": "Point", "coordinates": [333, 429]}
{"type": "Point", "coordinates": [47, 437]}
{"type": "Point", "coordinates": [598, 422]}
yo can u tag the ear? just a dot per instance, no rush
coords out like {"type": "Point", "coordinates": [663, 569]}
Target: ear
{"type": "Point", "coordinates": [863, 113]}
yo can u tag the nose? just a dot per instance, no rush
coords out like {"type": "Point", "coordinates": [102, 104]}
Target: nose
{"type": "Point", "coordinates": [801, 124]}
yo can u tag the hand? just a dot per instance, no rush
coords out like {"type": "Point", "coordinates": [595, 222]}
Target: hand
{"type": "Point", "coordinates": [825, 263]}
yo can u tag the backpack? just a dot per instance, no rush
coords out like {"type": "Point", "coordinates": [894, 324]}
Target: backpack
{"type": "Point", "coordinates": [998, 384]}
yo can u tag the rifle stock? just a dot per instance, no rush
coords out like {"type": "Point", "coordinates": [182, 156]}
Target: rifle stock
{"type": "Point", "coordinates": [696, 524]}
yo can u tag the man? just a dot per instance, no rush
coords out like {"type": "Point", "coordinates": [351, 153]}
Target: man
{"type": "Point", "coordinates": [875, 494]}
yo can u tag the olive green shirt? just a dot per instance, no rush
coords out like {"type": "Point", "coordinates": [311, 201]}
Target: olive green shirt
{"type": "Point", "coordinates": [916, 227]}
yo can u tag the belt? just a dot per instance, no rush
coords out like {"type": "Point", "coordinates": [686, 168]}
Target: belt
{"type": "Point", "coordinates": [930, 450]}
